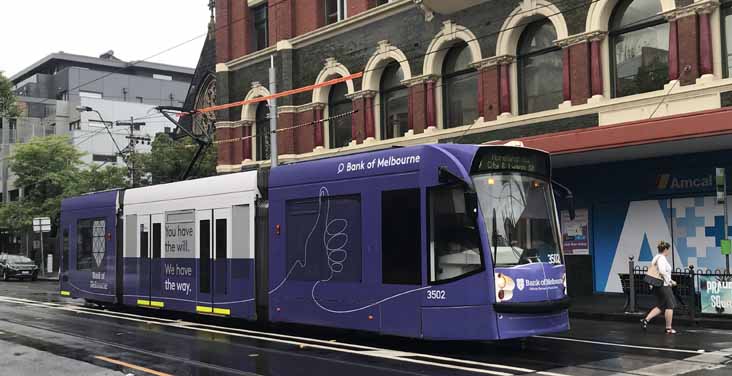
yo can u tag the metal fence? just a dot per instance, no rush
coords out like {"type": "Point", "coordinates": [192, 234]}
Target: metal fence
{"type": "Point", "coordinates": [689, 281]}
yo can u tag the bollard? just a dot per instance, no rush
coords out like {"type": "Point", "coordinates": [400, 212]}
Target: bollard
{"type": "Point", "coordinates": [692, 309]}
{"type": "Point", "coordinates": [631, 284]}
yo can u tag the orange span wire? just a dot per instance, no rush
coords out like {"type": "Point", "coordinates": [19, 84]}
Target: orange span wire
{"type": "Point", "coordinates": [277, 95]}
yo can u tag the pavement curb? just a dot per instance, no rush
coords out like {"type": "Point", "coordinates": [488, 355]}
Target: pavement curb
{"type": "Point", "coordinates": [680, 318]}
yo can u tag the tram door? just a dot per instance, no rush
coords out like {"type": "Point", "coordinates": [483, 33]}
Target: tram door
{"type": "Point", "coordinates": [143, 270]}
{"type": "Point", "coordinates": [156, 250]}
{"type": "Point", "coordinates": [213, 266]}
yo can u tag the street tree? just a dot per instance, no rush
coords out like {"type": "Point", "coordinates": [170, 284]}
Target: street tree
{"type": "Point", "coordinates": [50, 169]}
{"type": "Point", "coordinates": [8, 105]}
{"type": "Point", "coordinates": [169, 159]}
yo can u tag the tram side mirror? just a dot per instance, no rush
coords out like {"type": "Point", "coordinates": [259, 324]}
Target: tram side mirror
{"type": "Point", "coordinates": [569, 196]}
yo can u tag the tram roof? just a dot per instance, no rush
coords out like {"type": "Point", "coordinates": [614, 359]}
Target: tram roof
{"type": "Point", "coordinates": [372, 163]}
{"type": "Point", "coordinates": [210, 186]}
{"type": "Point", "coordinates": [91, 200]}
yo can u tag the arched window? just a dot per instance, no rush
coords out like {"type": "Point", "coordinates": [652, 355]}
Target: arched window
{"type": "Point", "coordinates": [540, 68]}
{"type": "Point", "coordinates": [263, 134]}
{"type": "Point", "coordinates": [460, 87]}
{"type": "Point", "coordinates": [394, 103]}
{"type": "Point", "coordinates": [639, 47]}
{"type": "Point", "coordinates": [340, 127]}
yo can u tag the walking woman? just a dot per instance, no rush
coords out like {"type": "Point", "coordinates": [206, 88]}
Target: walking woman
{"type": "Point", "coordinates": [664, 296]}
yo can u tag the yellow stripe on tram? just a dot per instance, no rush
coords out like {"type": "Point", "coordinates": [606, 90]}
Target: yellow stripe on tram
{"type": "Point", "coordinates": [157, 304]}
{"type": "Point", "coordinates": [203, 309]}
{"type": "Point", "coordinates": [222, 311]}
{"type": "Point", "coordinates": [65, 293]}
{"type": "Point", "coordinates": [143, 302]}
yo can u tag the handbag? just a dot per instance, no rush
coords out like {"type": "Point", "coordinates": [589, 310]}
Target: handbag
{"type": "Point", "coordinates": [653, 277]}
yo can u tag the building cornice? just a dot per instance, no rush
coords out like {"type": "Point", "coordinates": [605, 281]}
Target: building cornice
{"type": "Point", "coordinates": [417, 80]}
{"type": "Point", "coordinates": [362, 94]}
{"type": "Point", "coordinates": [580, 38]}
{"type": "Point", "coordinates": [493, 60]}
{"type": "Point", "coordinates": [704, 6]}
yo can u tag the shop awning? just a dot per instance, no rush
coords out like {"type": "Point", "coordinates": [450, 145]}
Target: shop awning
{"type": "Point", "coordinates": [672, 135]}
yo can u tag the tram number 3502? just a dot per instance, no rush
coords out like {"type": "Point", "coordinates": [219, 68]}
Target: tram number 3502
{"type": "Point", "coordinates": [436, 295]}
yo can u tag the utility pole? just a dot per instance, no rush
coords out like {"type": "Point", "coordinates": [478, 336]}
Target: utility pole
{"type": "Point", "coordinates": [131, 147]}
{"type": "Point", "coordinates": [272, 112]}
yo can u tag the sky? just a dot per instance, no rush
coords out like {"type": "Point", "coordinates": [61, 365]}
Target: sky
{"type": "Point", "coordinates": [133, 29]}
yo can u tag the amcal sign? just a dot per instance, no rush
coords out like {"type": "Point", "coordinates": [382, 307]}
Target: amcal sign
{"type": "Point", "coordinates": [685, 182]}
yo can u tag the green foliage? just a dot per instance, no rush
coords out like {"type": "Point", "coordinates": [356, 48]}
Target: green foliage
{"type": "Point", "coordinates": [8, 107]}
{"type": "Point", "coordinates": [169, 159]}
{"type": "Point", "coordinates": [50, 168]}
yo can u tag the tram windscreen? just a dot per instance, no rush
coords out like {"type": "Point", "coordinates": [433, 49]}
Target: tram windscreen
{"type": "Point", "coordinates": [518, 211]}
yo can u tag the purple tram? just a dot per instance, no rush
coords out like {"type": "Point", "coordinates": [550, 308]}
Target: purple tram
{"type": "Point", "coordinates": [450, 242]}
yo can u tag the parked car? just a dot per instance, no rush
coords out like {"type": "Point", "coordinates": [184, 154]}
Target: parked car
{"type": "Point", "coordinates": [17, 266]}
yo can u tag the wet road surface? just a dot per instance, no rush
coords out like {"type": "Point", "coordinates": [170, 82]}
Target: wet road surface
{"type": "Point", "coordinates": [34, 320]}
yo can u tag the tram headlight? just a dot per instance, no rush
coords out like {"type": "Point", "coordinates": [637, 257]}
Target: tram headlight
{"type": "Point", "coordinates": [504, 287]}
{"type": "Point", "coordinates": [500, 281]}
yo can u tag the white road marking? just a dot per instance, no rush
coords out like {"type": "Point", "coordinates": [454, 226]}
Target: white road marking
{"type": "Point", "coordinates": [622, 345]}
{"type": "Point", "coordinates": [677, 367]}
{"type": "Point", "coordinates": [301, 342]}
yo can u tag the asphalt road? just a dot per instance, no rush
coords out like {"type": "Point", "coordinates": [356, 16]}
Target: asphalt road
{"type": "Point", "coordinates": [42, 333]}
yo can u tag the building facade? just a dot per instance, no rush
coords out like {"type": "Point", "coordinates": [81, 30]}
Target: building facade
{"type": "Point", "coordinates": [631, 96]}
{"type": "Point", "coordinates": [53, 88]}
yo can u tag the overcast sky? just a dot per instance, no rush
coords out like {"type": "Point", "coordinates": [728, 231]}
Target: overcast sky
{"type": "Point", "coordinates": [133, 29]}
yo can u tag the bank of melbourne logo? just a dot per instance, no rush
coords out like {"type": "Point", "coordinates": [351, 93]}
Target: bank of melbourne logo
{"type": "Point", "coordinates": [520, 284]}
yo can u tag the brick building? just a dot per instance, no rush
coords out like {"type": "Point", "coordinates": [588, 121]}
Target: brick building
{"type": "Point", "coordinates": [636, 88]}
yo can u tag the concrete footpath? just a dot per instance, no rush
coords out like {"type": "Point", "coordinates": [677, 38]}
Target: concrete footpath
{"type": "Point", "coordinates": [25, 360]}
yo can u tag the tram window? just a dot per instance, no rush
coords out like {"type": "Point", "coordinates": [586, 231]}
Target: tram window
{"type": "Point", "coordinates": [401, 237]}
{"type": "Point", "coordinates": [131, 236]}
{"type": "Point", "coordinates": [454, 240]}
{"type": "Point", "coordinates": [91, 243]}
{"type": "Point", "coordinates": [221, 238]}
{"type": "Point", "coordinates": [333, 252]}
{"type": "Point", "coordinates": [65, 250]}
{"type": "Point", "coordinates": [156, 241]}
{"type": "Point", "coordinates": [240, 232]}
{"type": "Point", "coordinates": [205, 257]}
{"type": "Point", "coordinates": [143, 242]}
{"type": "Point", "coordinates": [221, 273]}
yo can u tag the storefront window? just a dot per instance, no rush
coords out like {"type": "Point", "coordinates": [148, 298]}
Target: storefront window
{"type": "Point", "coordinates": [460, 87]}
{"type": "Point", "coordinates": [394, 102]}
{"type": "Point", "coordinates": [540, 68]}
{"type": "Point", "coordinates": [639, 38]}
{"type": "Point", "coordinates": [340, 126]}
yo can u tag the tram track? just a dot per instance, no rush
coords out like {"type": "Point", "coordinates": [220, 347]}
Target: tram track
{"type": "Point", "coordinates": [418, 359]}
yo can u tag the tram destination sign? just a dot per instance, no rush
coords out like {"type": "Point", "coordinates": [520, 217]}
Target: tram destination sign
{"type": "Point", "coordinates": [511, 159]}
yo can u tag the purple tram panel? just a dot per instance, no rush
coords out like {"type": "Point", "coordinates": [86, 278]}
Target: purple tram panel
{"type": "Point", "coordinates": [88, 236]}
{"type": "Point", "coordinates": [398, 242]}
